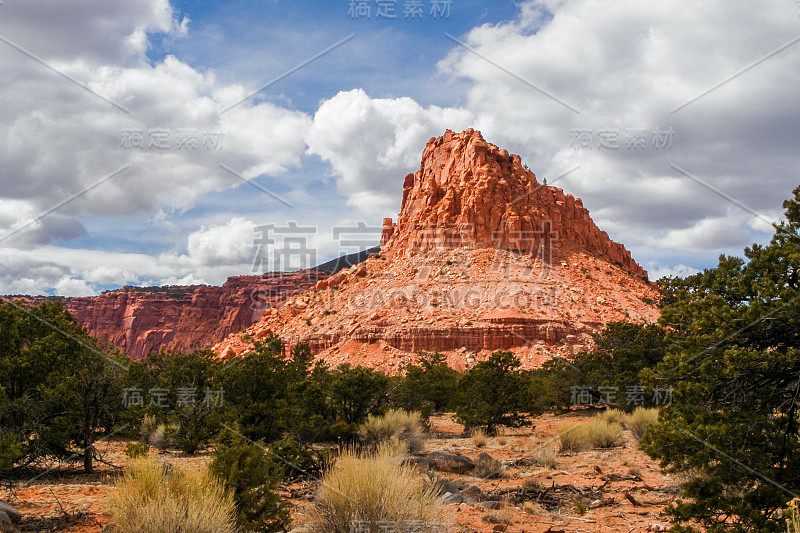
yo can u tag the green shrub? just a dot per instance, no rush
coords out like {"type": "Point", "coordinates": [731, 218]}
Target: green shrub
{"type": "Point", "coordinates": [429, 386]}
{"type": "Point", "coordinates": [372, 490]}
{"type": "Point", "coordinates": [192, 430]}
{"type": "Point", "coordinates": [252, 475]}
{"type": "Point", "coordinates": [356, 392]}
{"type": "Point", "coordinates": [134, 450]}
{"type": "Point", "coordinates": [60, 389]}
{"type": "Point", "coordinates": [10, 451]}
{"type": "Point", "coordinates": [492, 393]}
{"type": "Point", "coordinates": [395, 425]}
{"type": "Point", "coordinates": [622, 351]}
{"type": "Point", "coordinates": [640, 420]}
{"type": "Point", "coordinates": [154, 498]}
{"type": "Point", "coordinates": [733, 363]}
{"type": "Point", "coordinates": [297, 460]}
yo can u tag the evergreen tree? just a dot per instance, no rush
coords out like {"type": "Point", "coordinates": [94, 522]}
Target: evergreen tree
{"type": "Point", "coordinates": [493, 392]}
{"type": "Point", "coordinates": [733, 357]}
{"type": "Point", "coordinates": [62, 389]}
{"type": "Point", "coordinates": [252, 475]}
{"type": "Point", "coordinates": [429, 386]}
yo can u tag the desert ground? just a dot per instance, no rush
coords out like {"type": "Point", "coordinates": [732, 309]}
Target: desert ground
{"type": "Point", "coordinates": [616, 489]}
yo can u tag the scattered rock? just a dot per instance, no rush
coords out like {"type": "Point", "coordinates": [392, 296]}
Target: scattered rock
{"type": "Point", "coordinates": [451, 485]}
{"type": "Point", "coordinates": [474, 493]}
{"type": "Point", "coordinates": [602, 503]}
{"type": "Point", "coordinates": [491, 505]}
{"type": "Point", "coordinates": [484, 457]}
{"type": "Point", "coordinates": [488, 467]}
{"type": "Point", "coordinates": [13, 514]}
{"type": "Point", "coordinates": [452, 463]}
{"type": "Point", "coordinates": [5, 524]}
{"type": "Point", "coordinates": [422, 464]}
{"type": "Point", "coordinates": [450, 497]}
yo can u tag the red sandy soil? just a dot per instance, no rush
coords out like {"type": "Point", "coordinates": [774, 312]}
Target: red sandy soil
{"type": "Point", "coordinates": [74, 502]}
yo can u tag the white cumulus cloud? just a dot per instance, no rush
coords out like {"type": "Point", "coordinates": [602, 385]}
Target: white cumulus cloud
{"type": "Point", "coordinates": [372, 143]}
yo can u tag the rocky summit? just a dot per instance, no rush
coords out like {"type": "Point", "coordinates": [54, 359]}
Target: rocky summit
{"type": "Point", "coordinates": [482, 257]}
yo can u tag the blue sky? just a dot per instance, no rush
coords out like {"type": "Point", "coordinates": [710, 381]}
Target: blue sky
{"type": "Point", "coordinates": [255, 41]}
{"type": "Point", "coordinates": [335, 138]}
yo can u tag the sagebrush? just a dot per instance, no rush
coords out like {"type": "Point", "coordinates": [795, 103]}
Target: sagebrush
{"type": "Point", "coordinates": [397, 425]}
{"type": "Point", "coordinates": [154, 497]}
{"type": "Point", "coordinates": [369, 491]}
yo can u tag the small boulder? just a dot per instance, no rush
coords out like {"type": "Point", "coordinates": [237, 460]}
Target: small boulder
{"type": "Point", "coordinates": [491, 505]}
{"type": "Point", "coordinates": [487, 466]}
{"type": "Point", "coordinates": [453, 463]}
{"type": "Point", "coordinates": [13, 514]}
{"type": "Point", "coordinates": [420, 463]}
{"type": "Point", "coordinates": [474, 493]}
{"type": "Point", "coordinates": [453, 485]}
{"type": "Point", "coordinates": [450, 497]}
{"type": "Point", "coordinates": [5, 524]}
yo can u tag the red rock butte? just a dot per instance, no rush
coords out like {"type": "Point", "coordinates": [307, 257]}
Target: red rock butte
{"type": "Point", "coordinates": [468, 192]}
{"type": "Point", "coordinates": [482, 257]}
{"type": "Point", "coordinates": [140, 321]}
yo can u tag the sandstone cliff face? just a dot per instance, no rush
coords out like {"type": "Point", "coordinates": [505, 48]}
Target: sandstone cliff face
{"type": "Point", "coordinates": [140, 322]}
{"type": "Point", "coordinates": [468, 192]}
{"type": "Point", "coordinates": [482, 258]}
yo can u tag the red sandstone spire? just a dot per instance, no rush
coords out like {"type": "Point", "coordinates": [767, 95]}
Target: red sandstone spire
{"type": "Point", "coordinates": [468, 192]}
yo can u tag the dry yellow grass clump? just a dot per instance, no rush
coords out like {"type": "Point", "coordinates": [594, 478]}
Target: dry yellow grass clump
{"type": "Point", "coordinates": [501, 437]}
{"type": "Point", "coordinates": [793, 516]}
{"type": "Point", "coordinates": [641, 419]}
{"type": "Point", "coordinates": [479, 437]}
{"type": "Point", "coordinates": [542, 454]}
{"type": "Point", "coordinates": [396, 425]}
{"type": "Point", "coordinates": [611, 416]}
{"type": "Point", "coordinates": [595, 434]}
{"type": "Point", "coordinates": [373, 491]}
{"type": "Point", "coordinates": [151, 497]}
